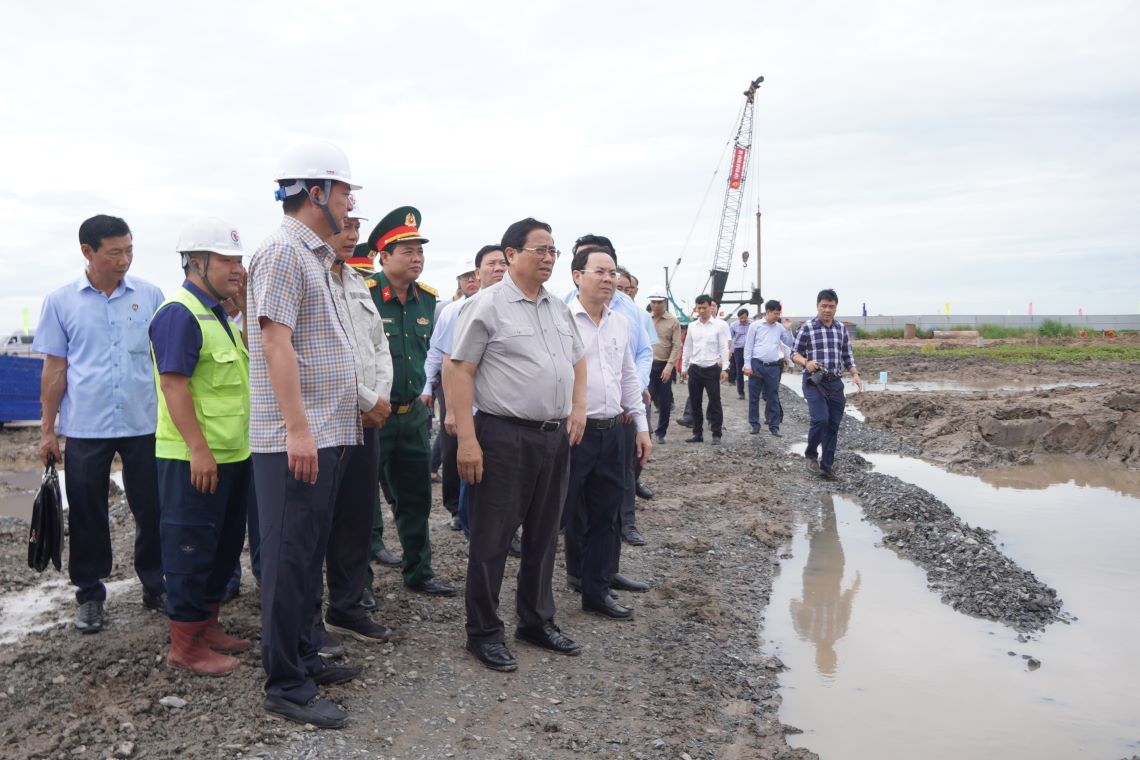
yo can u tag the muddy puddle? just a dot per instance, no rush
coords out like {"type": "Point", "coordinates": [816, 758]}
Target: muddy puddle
{"type": "Point", "coordinates": [880, 668]}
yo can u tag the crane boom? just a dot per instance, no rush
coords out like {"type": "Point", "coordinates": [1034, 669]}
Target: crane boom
{"type": "Point", "coordinates": [734, 198]}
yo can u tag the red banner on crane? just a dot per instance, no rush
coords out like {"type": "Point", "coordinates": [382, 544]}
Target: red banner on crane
{"type": "Point", "coordinates": [737, 176]}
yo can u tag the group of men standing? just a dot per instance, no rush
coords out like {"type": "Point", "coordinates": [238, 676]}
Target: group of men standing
{"type": "Point", "coordinates": [284, 392]}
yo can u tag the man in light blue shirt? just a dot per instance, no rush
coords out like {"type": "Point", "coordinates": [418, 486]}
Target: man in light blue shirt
{"type": "Point", "coordinates": [765, 352]}
{"type": "Point", "coordinates": [99, 377]}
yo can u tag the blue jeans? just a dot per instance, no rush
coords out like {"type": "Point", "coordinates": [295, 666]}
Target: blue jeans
{"type": "Point", "coordinates": [765, 381]}
{"type": "Point", "coordinates": [825, 408]}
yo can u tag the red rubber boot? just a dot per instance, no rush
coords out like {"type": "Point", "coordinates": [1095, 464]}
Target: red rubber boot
{"type": "Point", "coordinates": [217, 639]}
{"type": "Point", "coordinates": [188, 651]}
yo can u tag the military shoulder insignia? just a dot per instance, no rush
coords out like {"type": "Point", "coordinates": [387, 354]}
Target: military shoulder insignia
{"type": "Point", "coordinates": [371, 284]}
{"type": "Point", "coordinates": [428, 289]}
{"type": "Point", "coordinates": [422, 321]}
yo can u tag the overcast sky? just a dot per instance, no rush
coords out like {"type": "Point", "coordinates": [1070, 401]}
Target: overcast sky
{"type": "Point", "coordinates": [907, 154]}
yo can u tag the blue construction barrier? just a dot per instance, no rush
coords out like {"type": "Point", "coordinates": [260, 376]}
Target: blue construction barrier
{"type": "Point", "coordinates": [20, 388]}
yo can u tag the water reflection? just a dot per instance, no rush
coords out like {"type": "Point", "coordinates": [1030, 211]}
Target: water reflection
{"type": "Point", "coordinates": [822, 614]}
{"type": "Point", "coordinates": [1050, 471]}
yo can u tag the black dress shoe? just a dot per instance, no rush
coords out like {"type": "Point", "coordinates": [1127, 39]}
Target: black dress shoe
{"type": "Point", "coordinates": [331, 648]}
{"type": "Point", "coordinates": [609, 608]}
{"type": "Point", "coordinates": [684, 422]}
{"type": "Point", "coordinates": [385, 557]}
{"type": "Point", "coordinates": [494, 655]}
{"type": "Point", "coordinates": [548, 637]}
{"type": "Point", "coordinates": [695, 439]}
{"type": "Point", "coordinates": [621, 583]}
{"type": "Point", "coordinates": [333, 674]}
{"type": "Point", "coordinates": [716, 440]}
{"type": "Point", "coordinates": [515, 549]}
{"type": "Point", "coordinates": [660, 440]}
{"type": "Point", "coordinates": [433, 587]}
{"type": "Point", "coordinates": [454, 523]}
{"type": "Point", "coordinates": [632, 536]}
{"type": "Point", "coordinates": [368, 600]}
{"type": "Point", "coordinates": [776, 432]}
{"type": "Point", "coordinates": [643, 491]}
{"type": "Point", "coordinates": [318, 711]}
{"type": "Point", "coordinates": [156, 602]}
{"type": "Point", "coordinates": [575, 584]}
{"type": "Point", "coordinates": [755, 430]}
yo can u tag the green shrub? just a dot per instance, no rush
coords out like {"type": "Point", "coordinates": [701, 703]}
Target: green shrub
{"type": "Point", "coordinates": [1051, 328]}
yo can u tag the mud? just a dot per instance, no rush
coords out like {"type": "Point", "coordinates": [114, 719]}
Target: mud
{"type": "Point", "coordinates": [973, 431]}
{"type": "Point", "coordinates": [685, 678]}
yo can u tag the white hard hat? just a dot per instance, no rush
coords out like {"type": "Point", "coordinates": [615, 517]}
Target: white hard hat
{"type": "Point", "coordinates": [657, 294]}
{"type": "Point", "coordinates": [357, 213]}
{"type": "Point", "coordinates": [210, 234]}
{"type": "Point", "coordinates": [464, 265]}
{"type": "Point", "coordinates": [313, 159]}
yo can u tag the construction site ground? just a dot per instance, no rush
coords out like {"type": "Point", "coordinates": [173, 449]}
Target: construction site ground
{"type": "Point", "coordinates": [686, 677]}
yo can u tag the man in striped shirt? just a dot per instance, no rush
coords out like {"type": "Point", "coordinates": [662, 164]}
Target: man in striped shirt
{"type": "Point", "coordinates": [823, 349]}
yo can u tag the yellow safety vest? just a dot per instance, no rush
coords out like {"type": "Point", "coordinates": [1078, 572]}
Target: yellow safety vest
{"type": "Point", "coordinates": [219, 389]}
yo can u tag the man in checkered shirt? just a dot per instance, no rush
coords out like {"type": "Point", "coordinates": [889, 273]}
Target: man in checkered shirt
{"type": "Point", "coordinates": [303, 417]}
{"type": "Point", "coordinates": [823, 349]}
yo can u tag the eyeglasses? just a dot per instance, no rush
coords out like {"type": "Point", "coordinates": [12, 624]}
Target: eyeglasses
{"type": "Point", "coordinates": [545, 250]}
{"type": "Point", "coordinates": [605, 274]}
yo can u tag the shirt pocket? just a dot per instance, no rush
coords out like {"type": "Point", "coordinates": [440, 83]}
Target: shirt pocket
{"type": "Point", "coordinates": [225, 372]}
{"type": "Point", "coordinates": [137, 336]}
{"type": "Point", "coordinates": [224, 422]}
{"type": "Point", "coordinates": [566, 338]}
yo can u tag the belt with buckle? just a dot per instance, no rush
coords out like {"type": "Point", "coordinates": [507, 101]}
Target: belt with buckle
{"type": "Point", "coordinates": [403, 408]}
{"type": "Point", "coordinates": [828, 376]}
{"type": "Point", "coordinates": [605, 424]}
{"type": "Point", "coordinates": [546, 426]}
{"type": "Point", "coordinates": [776, 363]}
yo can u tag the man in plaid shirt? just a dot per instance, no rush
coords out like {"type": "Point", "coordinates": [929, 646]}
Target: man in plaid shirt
{"type": "Point", "coordinates": [823, 349]}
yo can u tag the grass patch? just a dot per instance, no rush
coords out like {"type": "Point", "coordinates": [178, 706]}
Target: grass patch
{"type": "Point", "coordinates": [1016, 353]}
{"type": "Point", "coordinates": [883, 332]}
{"type": "Point", "coordinates": [994, 332]}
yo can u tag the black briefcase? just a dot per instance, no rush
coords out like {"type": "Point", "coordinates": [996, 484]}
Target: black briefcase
{"type": "Point", "coordinates": [45, 538]}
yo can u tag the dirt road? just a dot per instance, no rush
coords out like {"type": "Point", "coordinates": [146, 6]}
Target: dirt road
{"type": "Point", "coordinates": [684, 678]}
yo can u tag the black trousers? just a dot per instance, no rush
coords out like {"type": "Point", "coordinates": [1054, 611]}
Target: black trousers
{"type": "Point", "coordinates": [702, 379]}
{"type": "Point", "coordinates": [738, 362]}
{"type": "Point", "coordinates": [525, 474]}
{"type": "Point", "coordinates": [628, 515]}
{"type": "Point", "coordinates": [662, 395]}
{"type": "Point", "coordinates": [448, 469]}
{"type": "Point", "coordinates": [295, 519]}
{"type": "Point", "coordinates": [346, 559]}
{"type": "Point", "coordinates": [590, 516]}
{"type": "Point", "coordinates": [202, 535]}
{"type": "Point", "coordinates": [87, 467]}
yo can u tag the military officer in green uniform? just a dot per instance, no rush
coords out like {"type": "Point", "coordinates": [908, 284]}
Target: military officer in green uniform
{"type": "Point", "coordinates": [408, 310]}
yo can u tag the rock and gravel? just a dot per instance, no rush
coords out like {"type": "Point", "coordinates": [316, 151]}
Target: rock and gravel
{"type": "Point", "coordinates": [686, 677]}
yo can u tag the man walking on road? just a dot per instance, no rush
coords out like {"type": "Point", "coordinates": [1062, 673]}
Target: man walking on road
{"type": "Point", "coordinates": [703, 360]}
{"type": "Point", "coordinates": [823, 349]}
{"type": "Point", "coordinates": [764, 352]}
{"type": "Point", "coordinates": [737, 331]}
{"type": "Point", "coordinates": [99, 377]}
{"type": "Point", "coordinates": [666, 351]}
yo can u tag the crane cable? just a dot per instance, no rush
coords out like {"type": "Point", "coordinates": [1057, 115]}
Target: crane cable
{"type": "Point", "coordinates": [704, 199]}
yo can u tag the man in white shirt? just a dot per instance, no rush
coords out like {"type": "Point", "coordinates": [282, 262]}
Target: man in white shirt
{"type": "Point", "coordinates": [597, 470]}
{"type": "Point", "coordinates": [703, 363]}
